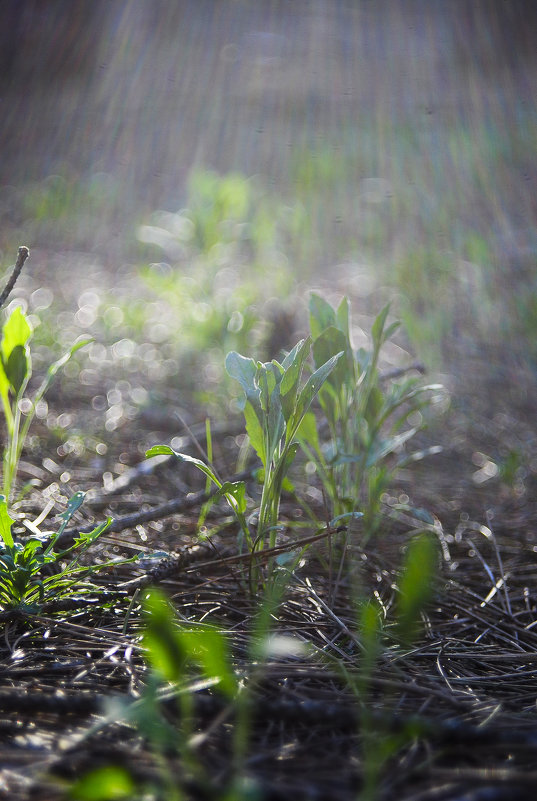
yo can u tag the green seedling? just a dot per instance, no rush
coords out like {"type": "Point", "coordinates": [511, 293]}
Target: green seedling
{"type": "Point", "coordinates": [26, 580]}
{"type": "Point", "coordinates": [367, 420]}
{"type": "Point", "coordinates": [274, 407]}
{"type": "Point", "coordinates": [416, 586]}
{"type": "Point", "coordinates": [184, 659]}
{"type": "Point", "coordinates": [15, 373]}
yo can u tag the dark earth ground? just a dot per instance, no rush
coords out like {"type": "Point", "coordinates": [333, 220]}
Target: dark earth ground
{"type": "Point", "coordinates": [471, 677]}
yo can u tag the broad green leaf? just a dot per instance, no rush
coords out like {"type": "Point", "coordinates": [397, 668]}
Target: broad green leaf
{"type": "Point", "coordinates": [17, 368]}
{"type": "Point", "coordinates": [343, 318]}
{"type": "Point", "coordinates": [160, 450]}
{"type": "Point", "coordinates": [255, 432]}
{"type": "Point", "coordinates": [322, 315]}
{"type": "Point", "coordinates": [5, 523]}
{"type": "Point", "coordinates": [311, 388]}
{"type": "Point", "coordinates": [208, 648]}
{"type": "Point", "coordinates": [374, 405]}
{"type": "Point", "coordinates": [16, 332]}
{"type": "Point", "coordinates": [330, 404]}
{"type": "Point", "coordinates": [292, 355]}
{"type": "Point", "coordinates": [330, 342]}
{"type": "Point", "coordinates": [377, 328]}
{"type": "Point", "coordinates": [275, 424]}
{"type": "Point", "coordinates": [165, 649]}
{"type": "Point", "coordinates": [291, 378]}
{"type": "Point", "coordinates": [307, 432]}
{"type": "Point", "coordinates": [242, 369]}
{"type": "Point", "coordinates": [290, 456]}
{"type": "Point", "coordinates": [109, 783]}
{"type": "Point", "coordinates": [30, 550]}
{"type": "Point", "coordinates": [4, 389]}
{"type": "Point", "coordinates": [237, 491]}
{"type": "Point", "coordinates": [269, 376]}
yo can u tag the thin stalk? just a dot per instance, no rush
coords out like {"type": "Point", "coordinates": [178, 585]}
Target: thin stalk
{"type": "Point", "coordinates": [12, 451]}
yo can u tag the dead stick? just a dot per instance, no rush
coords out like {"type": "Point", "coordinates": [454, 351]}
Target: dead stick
{"type": "Point", "coordinates": [21, 258]}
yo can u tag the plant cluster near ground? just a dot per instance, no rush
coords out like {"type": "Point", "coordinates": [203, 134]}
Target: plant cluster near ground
{"type": "Point", "coordinates": [277, 604]}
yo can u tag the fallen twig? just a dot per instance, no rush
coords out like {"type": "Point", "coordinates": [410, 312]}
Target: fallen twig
{"type": "Point", "coordinates": [16, 271]}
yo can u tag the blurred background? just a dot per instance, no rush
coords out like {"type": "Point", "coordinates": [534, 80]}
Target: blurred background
{"type": "Point", "coordinates": [185, 171]}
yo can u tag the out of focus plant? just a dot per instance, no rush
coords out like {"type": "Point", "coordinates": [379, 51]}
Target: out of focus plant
{"type": "Point", "coordinates": [15, 373]}
{"type": "Point", "coordinates": [222, 261]}
{"type": "Point", "coordinates": [375, 633]}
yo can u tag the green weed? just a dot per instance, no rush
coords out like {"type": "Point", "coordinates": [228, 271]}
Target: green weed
{"type": "Point", "coordinates": [367, 419]}
{"type": "Point", "coordinates": [275, 403]}
{"type": "Point", "coordinates": [274, 406]}
{"type": "Point", "coordinates": [34, 572]}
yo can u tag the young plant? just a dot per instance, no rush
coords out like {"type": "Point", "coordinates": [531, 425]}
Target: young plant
{"type": "Point", "coordinates": [366, 419]}
{"type": "Point", "coordinates": [24, 584]}
{"type": "Point", "coordinates": [182, 661]}
{"type": "Point", "coordinates": [274, 407]}
{"type": "Point", "coordinates": [15, 373]}
{"type": "Point", "coordinates": [376, 633]}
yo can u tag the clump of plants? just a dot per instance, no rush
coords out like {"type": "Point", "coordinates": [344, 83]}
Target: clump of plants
{"type": "Point", "coordinates": [276, 401]}
{"type": "Point", "coordinates": [39, 571]}
{"type": "Point", "coordinates": [367, 418]}
{"type": "Point", "coordinates": [355, 439]}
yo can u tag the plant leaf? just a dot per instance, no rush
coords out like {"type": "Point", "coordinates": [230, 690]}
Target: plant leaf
{"type": "Point", "coordinates": [85, 539]}
{"type": "Point", "coordinates": [307, 432]}
{"type": "Point", "coordinates": [207, 647]}
{"type": "Point", "coordinates": [165, 650]}
{"type": "Point", "coordinates": [291, 377]}
{"type": "Point", "coordinates": [328, 344]}
{"type": "Point", "coordinates": [237, 491]}
{"type": "Point", "coordinates": [416, 585]}
{"type": "Point", "coordinates": [322, 315]}
{"type": "Point", "coordinates": [310, 390]}
{"type": "Point", "coordinates": [17, 368]}
{"type": "Point", "coordinates": [243, 370]}
{"type": "Point", "coordinates": [255, 432]}
{"type": "Point", "coordinates": [15, 332]}
{"type": "Point", "coordinates": [5, 523]}
{"type": "Point", "coordinates": [108, 783]}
